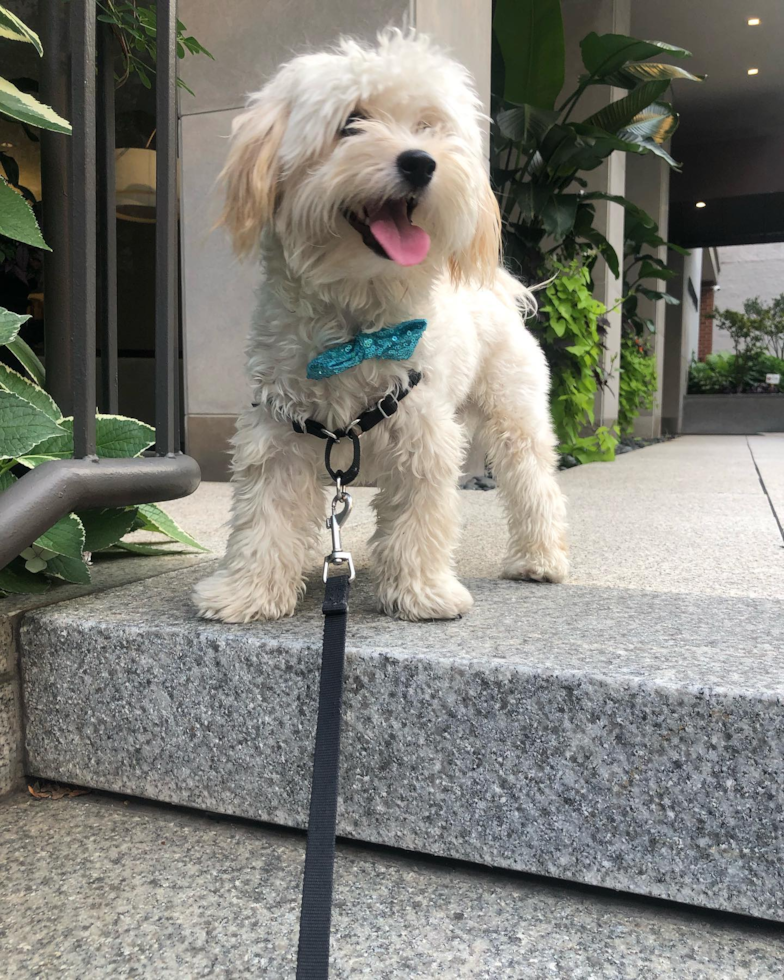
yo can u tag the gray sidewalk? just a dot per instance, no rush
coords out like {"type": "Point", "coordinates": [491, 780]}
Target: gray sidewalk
{"type": "Point", "coordinates": [638, 747]}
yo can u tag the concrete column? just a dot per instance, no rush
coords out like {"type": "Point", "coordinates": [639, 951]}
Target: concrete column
{"type": "Point", "coordinates": [648, 185]}
{"type": "Point", "coordinates": [681, 336]}
{"type": "Point", "coordinates": [605, 17]}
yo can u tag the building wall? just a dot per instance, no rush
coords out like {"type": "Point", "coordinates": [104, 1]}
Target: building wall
{"type": "Point", "coordinates": [747, 271]}
{"type": "Point", "coordinates": [249, 40]}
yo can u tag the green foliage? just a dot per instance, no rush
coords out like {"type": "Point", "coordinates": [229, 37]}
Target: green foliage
{"type": "Point", "coordinates": [747, 332]}
{"type": "Point", "coordinates": [637, 382]}
{"type": "Point", "coordinates": [722, 374]}
{"type": "Point", "coordinates": [539, 153]}
{"type": "Point", "coordinates": [136, 27]}
{"type": "Point", "coordinates": [32, 427]}
{"type": "Point", "coordinates": [569, 331]}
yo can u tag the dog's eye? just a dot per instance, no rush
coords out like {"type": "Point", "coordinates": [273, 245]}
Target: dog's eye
{"type": "Point", "coordinates": [349, 127]}
{"type": "Point", "coordinates": [421, 126]}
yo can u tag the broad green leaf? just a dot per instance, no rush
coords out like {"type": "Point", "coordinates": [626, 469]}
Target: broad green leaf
{"type": "Point", "coordinates": [7, 479]}
{"type": "Point", "coordinates": [620, 113]}
{"type": "Point", "coordinates": [25, 109]}
{"type": "Point", "coordinates": [630, 206]}
{"type": "Point", "coordinates": [558, 215]}
{"type": "Point", "coordinates": [28, 359]}
{"type": "Point", "coordinates": [156, 519]}
{"type": "Point", "coordinates": [606, 53]}
{"type": "Point", "coordinates": [17, 220]}
{"type": "Point", "coordinates": [653, 147]}
{"type": "Point", "coordinates": [531, 199]}
{"type": "Point", "coordinates": [66, 537]}
{"type": "Point", "coordinates": [22, 426]}
{"type": "Point", "coordinates": [15, 30]}
{"type": "Point", "coordinates": [105, 527]}
{"type": "Point", "coordinates": [9, 325]}
{"type": "Point", "coordinates": [15, 578]}
{"type": "Point", "coordinates": [148, 549]}
{"type": "Point", "coordinates": [526, 123]}
{"type": "Point", "coordinates": [31, 461]}
{"type": "Point", "coordinates": [117, 437]}
{"type": "Point", "coordinates": [658, 122]}
{"type": "Point", "coordinates": [630, 75]}
{"type": "Point", "coordinates": [650, 270]}
{"type": "Point", "coordinates": [69, 569]}
{"type": "Point", "coordinates": [11, 381]}
{"type": "Point", "coordinates": [606, 250]}
{"type": "Point", "coordinates": [531, 37]}
{"type": "Point", "coordinates": [655, 294]}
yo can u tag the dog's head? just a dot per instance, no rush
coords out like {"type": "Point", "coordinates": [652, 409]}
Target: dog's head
{"type": "Point", "coordinates": [366, 162]}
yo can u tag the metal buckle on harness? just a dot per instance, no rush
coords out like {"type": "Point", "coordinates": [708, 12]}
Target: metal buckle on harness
{"type": "Point", "coordinates": [334, 523]}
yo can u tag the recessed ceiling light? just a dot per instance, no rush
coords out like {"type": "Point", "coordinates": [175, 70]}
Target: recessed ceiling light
{"type": "Point", "coordinates": [752, 71]}
{"type": "Point", "coordinates": [754, 22]}
{"type": "Point", "coordinates": [700, 204]}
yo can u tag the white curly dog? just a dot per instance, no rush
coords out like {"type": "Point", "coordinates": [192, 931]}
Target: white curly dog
{"type": "Point", "coordinates": [360, 175]}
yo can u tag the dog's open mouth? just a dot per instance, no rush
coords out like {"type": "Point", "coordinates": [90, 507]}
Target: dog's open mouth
{"type": "Point", "coordinates": [387, 229]}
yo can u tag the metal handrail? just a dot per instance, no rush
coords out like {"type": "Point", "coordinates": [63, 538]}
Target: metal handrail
{"type": "Point", "coordinates": [44, 495]}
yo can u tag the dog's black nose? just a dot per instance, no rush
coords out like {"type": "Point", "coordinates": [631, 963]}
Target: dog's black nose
{"type": "Point", "coordinates": [416, 167]}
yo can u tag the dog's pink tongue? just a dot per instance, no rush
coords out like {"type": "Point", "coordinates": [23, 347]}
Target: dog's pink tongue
{"type": "Point", "coordinates": [403, 242]}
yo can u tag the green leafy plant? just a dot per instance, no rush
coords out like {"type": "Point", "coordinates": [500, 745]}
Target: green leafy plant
{"type": "Point", "coordinates": [720, 373]}
{"type": "Point", "coordinates": [539, 151]}
{"type": "Point", "coordinates": [135, 26]}
{"type": "Point", "coordinates": [746, 330]}
{"type": "Point", "coordinates": [569, 328]}
{"type": "Point", "coordinates": [32, 427]}
{"type": "Point", "coordinates": [770, 320]}
{"type": "Point", "coordinates": [643, 272]}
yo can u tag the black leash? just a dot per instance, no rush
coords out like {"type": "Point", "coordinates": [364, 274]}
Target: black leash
{"type": "Point", "coordinates": [316, 911]}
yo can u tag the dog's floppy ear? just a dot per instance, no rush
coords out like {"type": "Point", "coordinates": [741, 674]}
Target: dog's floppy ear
{"type": "Point", "coordinates": [251, 173]}
{"type": "Point", "coordinates": [479, 261]}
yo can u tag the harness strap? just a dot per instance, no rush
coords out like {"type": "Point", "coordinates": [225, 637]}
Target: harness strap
{"type": "Point", "coordinates": [316, 911]}
{"type": "Point", "coordinates": [371, 417]}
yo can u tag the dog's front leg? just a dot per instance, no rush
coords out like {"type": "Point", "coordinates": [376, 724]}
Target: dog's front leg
{"type": "Point", "coordinates": [277, 508]}
{"type": "Point", "coordinates": [417, 510]}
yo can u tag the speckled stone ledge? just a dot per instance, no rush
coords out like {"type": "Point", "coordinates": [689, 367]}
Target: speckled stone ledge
{"type": "Point", "coordinates": [625, 739]}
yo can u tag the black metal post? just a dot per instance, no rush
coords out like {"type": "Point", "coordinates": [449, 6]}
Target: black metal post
{"type": "Point", "coordinates": [83, 223]}
{"type": "Point", "coordinates": [107, 221]}
{"type": "Point", "coordinates": [56, 184]}
{"type": "Point", "coordinates": [166, 281]}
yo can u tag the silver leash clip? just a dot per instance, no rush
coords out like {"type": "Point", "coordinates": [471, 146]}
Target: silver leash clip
{"type": "Point", "coordinates": [334, 523]}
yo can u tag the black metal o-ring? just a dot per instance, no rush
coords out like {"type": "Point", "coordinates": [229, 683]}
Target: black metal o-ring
{"type": "Point", "coordinates": [349, 475]}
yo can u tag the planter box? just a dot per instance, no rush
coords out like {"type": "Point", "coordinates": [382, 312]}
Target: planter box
{"type": "Point", "coordinates": [736, 415]}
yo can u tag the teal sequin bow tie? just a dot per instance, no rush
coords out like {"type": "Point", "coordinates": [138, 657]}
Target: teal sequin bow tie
{"type": "Point", "coordinates": [395, 343]}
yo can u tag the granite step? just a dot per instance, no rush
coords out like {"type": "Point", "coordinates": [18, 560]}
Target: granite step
{"type": "Point", "coordinates": [110, 888]}
{"type": "Point", "coordinates": [628, 739]}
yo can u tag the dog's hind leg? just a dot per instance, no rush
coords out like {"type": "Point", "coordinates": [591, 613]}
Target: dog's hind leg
{"type": "Point", "coordinates": [417, 510]}
{"type": "Point", "coordinates": [512, 392]}
{"type": "Point", "coordinates": [277, 508]}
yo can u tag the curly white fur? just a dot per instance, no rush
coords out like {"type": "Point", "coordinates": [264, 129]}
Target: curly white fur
{"type": "Point", "coordinates": [290, 179]}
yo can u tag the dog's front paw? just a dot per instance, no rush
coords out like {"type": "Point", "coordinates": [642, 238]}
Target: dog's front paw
{"type": "Point", "coordinates": [538, 565]}
{"type": "Point", "coordinates": [234, 598]}
{"type": "Point", "coordinates": [444, 599]}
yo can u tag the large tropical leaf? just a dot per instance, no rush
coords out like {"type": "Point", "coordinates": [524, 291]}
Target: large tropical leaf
{"type": "Point", "coordinates": [606, 53]}
{"type": "Point", "coordinates": [657, 122]}
{"type": "Point", "coordinates": [9, 325]}
{"type": "Point", "coordinates": [25, 109]}
{"type": "Point", "coordinates": [531, 199]}
{"type": "Point", "coordinates": [526, 123]}
{"type": "Point", "coordinates": [604, 248]}
{"type": "Point", "coordinates": [558, 215]}
{"type": "Point", "coordinates": [630, 76]}
{"type": "Point", "coordinates": [653, 147]}
{"type": "Point", "coordinates": [15, 30]}
{"type": "Point", "coordinates": [17, 220]}
{"type": "Point", "coordinates": [618, 114]}
{"type": "Point", "coordinates": [642, 216]}
{"type": "Point", "coordinates": [530, 36]}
